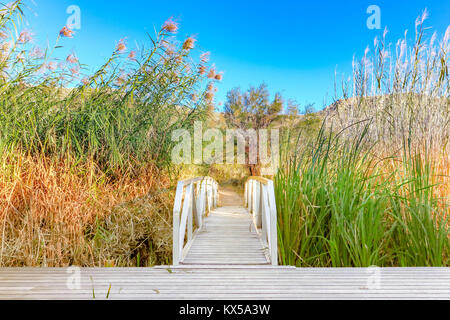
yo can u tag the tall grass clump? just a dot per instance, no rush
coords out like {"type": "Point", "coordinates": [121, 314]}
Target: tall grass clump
{"type": "Point", "coordinates": [402, 87]}
{"type": "Point", "coordinates": [85, 161]}
{"type": "Point", "coordinates": [328, 212]}
{"type": "Point", "coordinates": [372, 187]}
{"type": "Point", "coordinates": [421, 236]}
{"type": "Point", "coordinates": [339, 205]}
{"type": "Point", "coordinates": [121, 116]}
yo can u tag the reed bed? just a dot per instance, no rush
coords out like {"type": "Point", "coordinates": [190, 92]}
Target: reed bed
{"type": "Point", "coordinates": [403, 88]}
{"type": "Point", "coordinates": [55, 213]}
{"type": "Point", "coordinates": [85, 170]}
{"type": "Point", "coordinates": [339, 205]}
{"type": "Point", "coordinates": [372, 188]}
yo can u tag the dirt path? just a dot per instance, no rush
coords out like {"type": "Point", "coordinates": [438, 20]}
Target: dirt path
{"type": "Point", "coordinates": [228, 197]}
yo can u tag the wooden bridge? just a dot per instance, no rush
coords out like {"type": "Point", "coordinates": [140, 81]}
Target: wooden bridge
{"type": "Point", "coordinates": [230, 235]}
{"type": "Point", "coordinates": [227, 252]}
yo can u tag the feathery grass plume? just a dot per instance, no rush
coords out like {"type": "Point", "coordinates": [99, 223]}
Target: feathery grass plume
{"type": "Point", "coordinates": [6, 46]}
{"type": "Point", "coordinates": [37, 53]}
{"type": "Point", "coordinates": [132, 55]}
{"type": "Point", "coordinates": [179, 59]}
{"type": "Point", "coordinates": [121, 46]}
{"type": "Point", "coordinates": [25, 37]}
{"type": "Point", "coordinates": [52, 66]}
{"type": "Point", "coordinates": [75, 71]}
{"type": "Point", "coordinates": [170, 25]}
{"type": "Point", "coordinates": [212, 73]}
{"type": "Point", "coordinates": [66, 32]}
{"type": "Point", "coordinates": [71, 58]}
{"type": "Point", "coordinates": [202, 69]}
{"type": "Point", "coordinates": [404, 90]}
{"type": "Point", "coordinates": [209, 95]}
{"type": "Point", "coordinates": [85, 81]}
{"type": "Point", "coordinates": [189, 43]}
{"type": "Point", "coordinates": [204, 57]}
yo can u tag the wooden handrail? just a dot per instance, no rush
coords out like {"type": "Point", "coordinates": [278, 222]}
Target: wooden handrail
{"type": "Point", "coordinates": [260, 179]}
{"type": "Point", "coordinates": [192, 180]}
{"type": "Point", "coordinates": [259, 197]}
{"type": "Point", "coordinates": [194, 198]}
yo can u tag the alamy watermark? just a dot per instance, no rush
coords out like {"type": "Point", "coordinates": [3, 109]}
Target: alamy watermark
{"type": "Point", "coordinates": [73, 281]}
{"type": "Point", "coordinates": [241, 147]}
{"type": "Point", "coordinates": [374, 279]}
{"type": "Point", "coordinates": [374, 20]}
{"type": "Point", "coordinates": [74, 19]}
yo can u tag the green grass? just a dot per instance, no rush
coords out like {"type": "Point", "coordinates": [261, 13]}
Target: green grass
{"type": "Point", "coordinates": [371, 187]}
{"type": "Point", "coordinates": [340, 207]}
{"type": "Point", "coordinates": [121, 116]}
{"type": "Point", "coordinates": [77, 147]}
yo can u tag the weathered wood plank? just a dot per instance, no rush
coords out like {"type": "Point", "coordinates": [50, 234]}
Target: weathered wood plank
{"type": "Point", "coordinates": [232, 282]}
{"type": "Point", "coordinates": [226, 238]}
{"type": "Point", "coordinates": [226, 260]}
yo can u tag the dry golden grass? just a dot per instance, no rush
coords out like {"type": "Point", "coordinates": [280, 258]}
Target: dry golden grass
{"type": "Point", "coordinates": [59, 213]}
{"type": "Point", "coordinates": [391, 165]}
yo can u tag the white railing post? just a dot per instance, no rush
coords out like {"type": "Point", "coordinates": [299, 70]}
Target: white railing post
{"type": "Point", "coordinates": [245, 194]}
{"type": "Point", "coordinates": [184, 215]}
{"type": "Point", "coordinates": [273, 224]}
{"type": "Point", "coordinates": [259, 215]}
{"type": "Point", "coordinates": [190, 196]}
{"type": "Point", "coordinates": [249, 198]}
{"type": "Point", "coordinates": [198, 204]}
{"type": "Point", "coordinates": [210, 203]}
{"type": "Point", "coordinates": [217, 194]}
{"type": "Point", "coordinates": [260, 201]}
{"type": "Point", "coordinates": [200, 194]}
{"type": "Point", "coordinates": [203, 199]}
{"type": "Point", "coordinates": [195, 208]}
{"type": "Point", "coordinates": [209, 186]}
{"type": "Point", "coordinates": [253, 197]}
{"type": "Point", "coordinates": [252, 194]}
{"type": "Point", "coordinates": [176, 224]}
{"type": "Point", "coordinates": [263, 222]}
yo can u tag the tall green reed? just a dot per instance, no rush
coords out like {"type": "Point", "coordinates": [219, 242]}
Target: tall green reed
{"type": "Point", "coordinates": [121, 116]}
{"type": "Point", "coordinates": [352, 198]}
{"type": "Point", "coordinates": [403, 87]}
{"type": "Point", "coordinates": [421, 235]}
{"type": "Point", "coordinates": [338, 206]}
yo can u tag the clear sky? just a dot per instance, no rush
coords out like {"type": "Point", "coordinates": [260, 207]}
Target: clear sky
{"type": "Point", "coordinates": [293, 46]}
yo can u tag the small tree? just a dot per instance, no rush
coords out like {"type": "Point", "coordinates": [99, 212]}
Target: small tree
{"type": "Point", "coordinates": [252, 110]}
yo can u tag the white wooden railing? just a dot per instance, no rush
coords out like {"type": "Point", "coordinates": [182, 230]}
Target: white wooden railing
{"type": "Point", "coordinates": [260, 200]}
{"type": "Point", "coordinates": [193, 200]}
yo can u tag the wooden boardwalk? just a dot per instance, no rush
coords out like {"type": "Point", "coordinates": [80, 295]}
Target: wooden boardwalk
{"type": "Point", "coordinates": [204, 234]}
{"type": "Point", "coordinates": [225, 282]}
{"type": "Point", "coordinates": [231, 254]}
{"type": "Point", "coordinates": [227, 237]}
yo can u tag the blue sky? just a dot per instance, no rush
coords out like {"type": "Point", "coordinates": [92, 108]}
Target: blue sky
{"type": "Point", "coordinates": [293, 46]}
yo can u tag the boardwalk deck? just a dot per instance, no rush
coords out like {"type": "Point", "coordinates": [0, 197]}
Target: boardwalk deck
{"type": "Point", "coordinates": [228, 237]}
{"type": "Point", "coordinates": [226, 259]}
{"type": "Point", "coordinates": [225, 282]}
